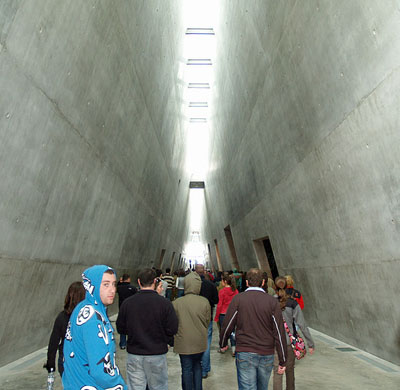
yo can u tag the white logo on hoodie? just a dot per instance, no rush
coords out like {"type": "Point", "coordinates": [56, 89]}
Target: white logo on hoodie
{"type": "Point", "coordinates": [84, 314]}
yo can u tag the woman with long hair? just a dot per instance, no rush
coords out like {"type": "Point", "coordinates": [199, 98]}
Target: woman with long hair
{"type": "Point", "coordinates": [225, 295]}
{"type": "Point", "coordinates": [292, 314]}
{"type": "Point", "coordinates": [75, 294]}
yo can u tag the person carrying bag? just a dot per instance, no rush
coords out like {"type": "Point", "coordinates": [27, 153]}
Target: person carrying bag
{"type": "Point", "coordinates": [291, 313]}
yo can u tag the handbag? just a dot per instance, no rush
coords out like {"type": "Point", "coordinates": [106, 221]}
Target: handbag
{"type": "Point", "coordinates": [297, 343]}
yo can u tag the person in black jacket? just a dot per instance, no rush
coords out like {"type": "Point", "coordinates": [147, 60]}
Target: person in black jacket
{"type": "Point", "coordinates": [124, 290]}
{"type": "Point", "coordinates": [150, 322]}
{"type": "Point", "coordinates": [75, 294]}
{"type": "Point", "coordinates": [208, 290]}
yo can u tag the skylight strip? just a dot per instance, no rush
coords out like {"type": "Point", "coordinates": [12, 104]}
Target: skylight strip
{"type": "Point", "coordinates": [198, 104]}
{"type": "Point", "coordinates": [199, 85]}
{"type": "Point", "coordinates": [199, 61]}
{"type": "Point", "coordinates": [198, 120]}
{"type": "Point", "coordinates": [200, 31]}
{"type": "Point", "coordinates": [196, 184]}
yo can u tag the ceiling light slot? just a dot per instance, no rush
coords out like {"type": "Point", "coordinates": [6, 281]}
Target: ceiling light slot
{"type": "Point", "coordinates": [200, 31]}
{"type": "Point", "coordinates": [199, 85]}
{"type": "Point", "coordinates": [198, 104]}
{"type": "Point", "coordinates": [198, 120]}
{"type": "Point", "coordinates": [199, 61]}
{"type": "Point", "coordinates": [196, 184]}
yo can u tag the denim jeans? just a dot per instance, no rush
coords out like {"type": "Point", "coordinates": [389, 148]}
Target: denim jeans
{"type": "Point", "coordinates": [150, 370]}
{"type": "Point", "coordinates": [168, 293]}
{"type": "Point", "coordinates": [253, 370]}
{"type": "Point", "coordinates": [231, 338]}
{"type": "Point", "coordinates": [205, 360]}
{"type": "Point", "coordinates": [191, 372]}
{"type": "Point", "coordinates": [122, 340]}
{"type": "Point", "coordinates": [181, 293]}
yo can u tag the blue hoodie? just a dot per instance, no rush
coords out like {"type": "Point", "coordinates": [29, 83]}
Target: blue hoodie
{"type": "Point", "coordinates": [89, 346]}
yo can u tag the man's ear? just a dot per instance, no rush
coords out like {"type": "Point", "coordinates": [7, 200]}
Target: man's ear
{"type": "Point", "coordinates": [263, 282]}
{"type": "Point", "coordinates": [247, 283]}
{"type": "Point", "coordinates": [138, 281]}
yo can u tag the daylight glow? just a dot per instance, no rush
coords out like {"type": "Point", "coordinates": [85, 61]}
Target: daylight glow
{"type": "Point", "coordinates": [198, 82]}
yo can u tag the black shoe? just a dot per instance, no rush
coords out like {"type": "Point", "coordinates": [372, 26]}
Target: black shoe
{"type": "Point", "coordinates": [205, 375]}
{"type": "Point", "coordinates": [123, 347]}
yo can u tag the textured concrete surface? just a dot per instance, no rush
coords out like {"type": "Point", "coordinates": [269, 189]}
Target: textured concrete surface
{"type": "Point", "coordinates": [91, 151]}
{"type": "Point", "coordinates": [328, 369]}
{"type": "Point", "coordinates": [305, 148]}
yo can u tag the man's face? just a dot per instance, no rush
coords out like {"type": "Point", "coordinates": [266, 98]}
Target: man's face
{"type": "Point", "coordinates": [108, 288]}
{"type": "Point", "coordinates": [199, 269]}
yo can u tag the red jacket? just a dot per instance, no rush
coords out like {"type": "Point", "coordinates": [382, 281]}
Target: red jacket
{"type": "Point", "coordinates": [225, 296]}
{"type": "Point", "coordinates": [296, 295]}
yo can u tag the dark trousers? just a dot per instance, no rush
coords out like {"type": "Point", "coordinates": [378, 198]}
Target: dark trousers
{"type": "Point", "coordinates": [191, 372]}
{"type": "Point", "coordinates": [289, 372]}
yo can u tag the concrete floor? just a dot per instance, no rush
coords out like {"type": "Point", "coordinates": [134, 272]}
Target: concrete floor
{"type": "Point", "coordinates": [328, 368]}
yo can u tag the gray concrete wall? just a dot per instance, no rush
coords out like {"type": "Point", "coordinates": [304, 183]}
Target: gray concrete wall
{"type": "Point", "coordinates": [91, 151]}
{"type": "Point", "coordinates": [304, 144]}
{"type": "Point", "coordinates": [307, 125]}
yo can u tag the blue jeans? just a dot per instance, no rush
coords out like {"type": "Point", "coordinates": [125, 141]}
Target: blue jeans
{"type": "Point", "coordinates": [205, 360]}
{"type": "Point", "coordinates": [221, 321]}
{"type": "Point", "coordinates": [191, 371]}
{"type": "Point", "coordinates": [253, 370]}
{"type": "Point", "coordinates": [168, 293]}
{"type": "Point", "coordinates": [181, 293]}
{"type": "Point", "coordinates": [122, 340]}
{"type": "Point", "coordinates": [150, 370]}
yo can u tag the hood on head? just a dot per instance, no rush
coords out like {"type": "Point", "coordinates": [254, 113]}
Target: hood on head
{"type": "Point", "coordinates": [192, 283]}
{"type": "Point", "coordinates": [91, 279]}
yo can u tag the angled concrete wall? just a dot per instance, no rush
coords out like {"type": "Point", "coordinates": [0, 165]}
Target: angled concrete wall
{"type": "Point", "coordinates": [306, 141]}
{"type": "Point", "coordinates": [91, 151]}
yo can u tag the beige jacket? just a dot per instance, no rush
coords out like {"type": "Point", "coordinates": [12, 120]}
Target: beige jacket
{"type": "Point", "coordinates": [194, 313]}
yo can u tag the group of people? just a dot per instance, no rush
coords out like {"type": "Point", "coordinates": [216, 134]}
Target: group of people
{"type": "Point", "coordinates": [149, 323]}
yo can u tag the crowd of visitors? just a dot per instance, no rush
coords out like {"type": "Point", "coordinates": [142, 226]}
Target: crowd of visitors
{"type": "Point", "coordinates": [259, 316]}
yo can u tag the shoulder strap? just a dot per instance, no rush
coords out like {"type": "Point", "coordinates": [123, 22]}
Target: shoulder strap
{"type": "Point", "coordinates": [287, 329]}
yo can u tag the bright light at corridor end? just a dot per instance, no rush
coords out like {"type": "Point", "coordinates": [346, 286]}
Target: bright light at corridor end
{"type": "Point", "coordinates": [195, 251]}
{"type": "Point", "coordinates": [200, 19]}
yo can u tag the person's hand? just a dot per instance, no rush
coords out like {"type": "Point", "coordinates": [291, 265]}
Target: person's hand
{"type": "Point", "coordinates": [49, 367]}
{"type": "Point", "coordinates": [159, 289]}
{"type": "Point", "coordinates": [311, 350]}
{"type": "Point", "coordinates": [281, 370]}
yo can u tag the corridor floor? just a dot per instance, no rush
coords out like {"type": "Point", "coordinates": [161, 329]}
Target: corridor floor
{"type": "Point", "coordinates": [333, 366]}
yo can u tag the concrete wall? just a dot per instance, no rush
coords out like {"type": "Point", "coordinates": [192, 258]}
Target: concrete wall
{"type": "Point", "coordinates": [91, 147]}
{"type": "Point", "coordinates": [306, 140]}
{"type": "Point", "coordinates": [304, 149]}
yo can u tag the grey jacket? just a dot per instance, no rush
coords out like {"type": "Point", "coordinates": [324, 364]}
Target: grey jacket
{"type": "Point", "coordinates": [293, 312]}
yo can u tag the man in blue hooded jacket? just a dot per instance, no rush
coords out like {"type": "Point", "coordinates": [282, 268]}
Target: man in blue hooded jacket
{"type": "Point", "coordinates": [89, 346]}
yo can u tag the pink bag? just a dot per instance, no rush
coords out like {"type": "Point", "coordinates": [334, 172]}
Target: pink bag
{"type": "Point", "coordinates": [297, 343]}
